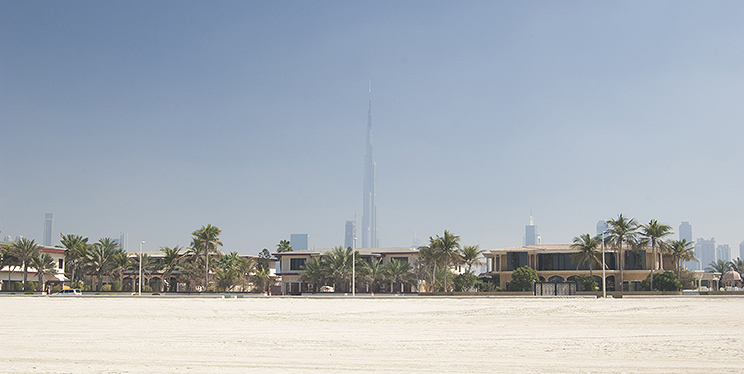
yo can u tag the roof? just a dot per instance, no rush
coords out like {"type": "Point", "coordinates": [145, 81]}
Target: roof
{"type": "Point", "coordinates": [362, 251]}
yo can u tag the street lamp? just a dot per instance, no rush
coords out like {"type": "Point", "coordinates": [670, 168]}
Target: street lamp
{"type": "Point", "coordinates": [604, 273]}
{"type": "Point", "coordinates": [140, 269]}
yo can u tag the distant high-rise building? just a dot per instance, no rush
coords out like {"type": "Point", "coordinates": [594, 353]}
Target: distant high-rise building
{"type": "Point", "coordinates": [530, 233]}
{"type": "Point", "coordinates": [298, 242]}
{"type": "Point", "coordinates": [9, 238]}
{"type": "Point", "coordinates": [601, 227]}
{"type": "Point", "coordinates": [124, 241]}
{"type": "Point", "coordinates": [705, 251]}
{"type": "Point", "coordinates": [369, 211]}
{"type": "Point", "coordinates": [741, 249]}
{"type": "Point", "coordinates": [48, 229]}
{"type": "Point", "coordinates": [350, 234]}
{"type": "Point", "coordinates": [723, 252]}
{"type": "Point", "coordinates": [685, 231]}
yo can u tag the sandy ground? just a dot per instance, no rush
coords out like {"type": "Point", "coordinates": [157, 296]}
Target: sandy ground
{"type": "Point", "coordinates": [370, 335]}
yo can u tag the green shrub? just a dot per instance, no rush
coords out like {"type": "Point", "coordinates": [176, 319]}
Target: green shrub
{"type": "Point", "coordinates": [155, 294]}
{"type": "Point", "coordinates": [86, 288]}
{"type": "Point", "coordinates": [29, 293]}
{"type": "Point", "coordinates": [30, 286]}
{"type": "Point", "coordinates": [522, 279]}
{"type": "Point", "coordinates": [116, 286]}
{"type": "Point", "coordinates": [146, 288]}
{"type": "Point", "coordinates": [17, 286]}
{"type": "Point", "coordinates": [666, 281]}
{"type": "Point", "coordinates": [106, 288]}
{"type": "Point", "coordinates": [586, 283]}
{"type": "Point", "coordinates": [57, 288]}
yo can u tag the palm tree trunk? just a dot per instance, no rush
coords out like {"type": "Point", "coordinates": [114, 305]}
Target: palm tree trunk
{"type": "Point", "coordinates": [653, 264]}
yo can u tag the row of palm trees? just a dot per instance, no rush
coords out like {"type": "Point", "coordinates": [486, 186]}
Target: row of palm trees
{"type": "Point", "coordinates": [27, 254]}
{"type": "Point", "coordinates": [443, 254]}
{"type": "Point", "coordinates": [627, 234]}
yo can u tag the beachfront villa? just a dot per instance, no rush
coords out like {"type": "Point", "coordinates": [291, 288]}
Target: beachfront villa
{"type": "Point", "coordinates": [10, 274]}
{"type": "Point", "coordinates": [292, 265]}
{"type": "Point", "coordinates": [554, 263]}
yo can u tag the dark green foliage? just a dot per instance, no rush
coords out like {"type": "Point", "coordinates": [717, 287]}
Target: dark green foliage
{"type": "Point", "coordinates": [586, 283]}
{"type": "Point", "coordinates": [666, 281]}
{"type": "Point", "coordinates": [31, 286]}
{"type": "Point", "coordinates": [522, 279]}
{"type": "Point", "coordinates": [17, 286]}
{"type": "Point", "coordinates": [464, 282]}
{"type": "Point", "coordinates": [116, 286]}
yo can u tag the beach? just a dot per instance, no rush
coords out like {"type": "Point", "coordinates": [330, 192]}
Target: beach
{"type": "Point", "coordinates": [163, 334]}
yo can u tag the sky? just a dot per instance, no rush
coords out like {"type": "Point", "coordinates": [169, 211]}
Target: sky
{"type": "Point", "coordinates": [157, 118]}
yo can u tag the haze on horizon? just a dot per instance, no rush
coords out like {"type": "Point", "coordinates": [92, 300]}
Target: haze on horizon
{"type": "Point", "coordinates": [156, 118]}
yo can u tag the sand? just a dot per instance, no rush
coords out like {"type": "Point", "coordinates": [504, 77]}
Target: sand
{"type": "Point", "coordinates": [370, 335]}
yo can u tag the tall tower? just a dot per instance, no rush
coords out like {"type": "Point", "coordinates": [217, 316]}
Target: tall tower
{"type": "Point", "coordinates": [530, 233]}
{"type": "Point", "coordinates": [350, 234]}
{"type": "Point", "coordinates": [369, 212]}
{"type": "Point", "coordinates": [48, 229]}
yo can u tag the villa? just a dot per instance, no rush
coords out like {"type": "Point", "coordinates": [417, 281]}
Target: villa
{"type": "Point", "coordinates": [554, 263]}
{"type": "Point", "coordinates": [12, 274]}
{"type": "Point", "coordinates": [292, 265]}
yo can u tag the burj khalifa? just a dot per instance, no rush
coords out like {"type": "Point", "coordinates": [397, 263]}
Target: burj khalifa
{"type": "Point", "coordinates": [369, 212]}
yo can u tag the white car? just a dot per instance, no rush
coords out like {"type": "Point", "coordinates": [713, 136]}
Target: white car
{"type": "Point", "coordinates": [68, 292]}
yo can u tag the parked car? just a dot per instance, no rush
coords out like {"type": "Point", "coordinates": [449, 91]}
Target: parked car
{"type": "Point", "coordinates": [68, 292]}
{"type": "Point", "coordinates": [327, 289]}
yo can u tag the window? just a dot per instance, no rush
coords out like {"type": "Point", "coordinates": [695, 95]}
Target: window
{"type": "Point", "coordinates": [61, 264]}
{"type": "Point", "coordinates": [516, 260]}
{"type": "Point", "coordinates": [402, 259]}
{"type": "Point", "coordinates": [296, 264]}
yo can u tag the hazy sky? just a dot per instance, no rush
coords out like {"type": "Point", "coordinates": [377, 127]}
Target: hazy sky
{"type": "Point", "coordinates": [155, 118]}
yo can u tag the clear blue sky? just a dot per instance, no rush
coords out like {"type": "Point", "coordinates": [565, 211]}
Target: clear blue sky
{"type": "Point", "coordinates": [155, 118]}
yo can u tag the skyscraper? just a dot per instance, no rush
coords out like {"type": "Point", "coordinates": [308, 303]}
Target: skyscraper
{"type": "Point", "coordinates": [298, 241]}
{"type": "Point", "coordinates": [350, 234]}
{"type": "Point", "coordinates": [685, 233]}
{"type": "Point", "coordinates": [723, 252]}
{"type": "Point", "coordinates": [48, 229]}
{"type": "Point", "coordinates": [601, 227]}
{"type": "Point", "coordinates": [705, 251]}
{"type": "Point", "coordinates": [369, 211]}
{"type": "Point", "coordinates": [530, 233]}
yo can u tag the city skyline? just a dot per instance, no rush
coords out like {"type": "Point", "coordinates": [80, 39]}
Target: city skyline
{"type": "Point", "coordinates": [156, 119]}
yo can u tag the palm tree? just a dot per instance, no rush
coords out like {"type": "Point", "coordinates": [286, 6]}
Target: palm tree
{"type": "Point", "coordinates": [226, 278]}
{"type": "Point", "coordinates": [76, 252]}
{"type": "Point", "coordinates": [208, 238]}
{"type": "Point", "coordinates": [682, 250]}
{"type": "Point", "coordinates": [44, 264]}
{"type": "Point", "coordinates": [373, 272]}
{"type": "Point", "coordinates": [338, 265]}
{"type": "Point", "coordinates": [316, 271]}
{"type": "Point", "coordinates": [738, 265]}
{"type": "Point", "coordinates": [171, 263]}
{"type": "Point", "coordinates": [588, 251]}
{"type": "Point", "coordinates": [397, 271]}
{"type": "Point", "coordinates": [448, 246]}
{"type": "Point", "coordinates": [149, 266]}
{"type": "Point", "coordinates": [24, 250]}
{"type": "Point", "coordinates": [427, 261]}
{"type": "Point", "coordinates": [101, 258]}
{"type": "Point", "coordinates": [284, 246]}
{"type": "Point", "coordinates": [719, 266]}
{"type": "Point", "coordinates": [470, 256]}
{"type": "Point", "coordinates": [263, 274]}
{"type": "Point", "coordinates": [622, 231]}
{"type": "Point", "coordinates": [8, 260]}
{"type": "Point", "coordinates": [120, 262]}
{"type": "Point", "coordinates": [246, 266]}
{"type": "Point", "coordinates": [654, 232]}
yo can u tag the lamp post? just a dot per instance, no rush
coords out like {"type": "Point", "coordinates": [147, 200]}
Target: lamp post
{"type": "Point", "coordinates": [140, 269]}
{"type": "Point", "coordinates": [353, 266]}
{"type": "Point", "coordinates": [604, 273]}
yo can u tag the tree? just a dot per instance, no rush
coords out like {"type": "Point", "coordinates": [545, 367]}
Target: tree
{"type": "Point", "coordinates": [448, 245]}
{"type": "Point", "coordinates": [226, 279]}
{"type": "Point", "coordinates": [654, 232]}
{"type": "Point", "coordinates": [588, 251]}
{"type": "Point", "coordinates": [100, 258]}
{"type": "Point", "coordinates": [681, 250]}
{"type": "Point", "coordinates": [586, 282]}
{"type": "Point", "coordinates": [8, 260]}
{"type": "Point", "coordinates": [263, 275]}
{"type": "Point", "coordinates": [44, 264]}
{"type": "Point", "coordinates": [373, 272]}
{"type": "Point", "coordinates": [470, 256]}
{"type": "Point", "coordinates": [284, 246]}
{"type": "Point", "coordinates": [338, 265]}
{"type": "Point", "coordinates": [207, 237]}
{"type": "Point", "coordinates": [738, 265]}
{"type": "Point", "coordinates": [264, 259]}
{"type": "Point", "coordinates": [316, 271]}
{"type": "Point", "coordinates": [719, 266]}
{"type": "Point", "coordinates": [76, 254]}
{"type": "Point", "coordinates": [246, 267]}
{"type": "Point", "coordinates": [426, 263]}
{"type": "Point", "coordinates": [622, 231]}
{"type": "Point", "coordinates": [522, 279]}
{"type": "Point", "coordinates": [24, 250]}
{"type": "Point", "coordinates": [149, 266]}
{"type": "Point", "coordinates": [665, 281]}
{"type": "Point", "coordinates": [397, 271]}
{"type": "Point", "coordinates": [171, 262]}
{"type": "Point", "coordinates": [120, 262]}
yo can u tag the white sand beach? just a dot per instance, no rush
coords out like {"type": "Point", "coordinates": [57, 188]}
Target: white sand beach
{"type": "Point", "coordinates": [370, 335]}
